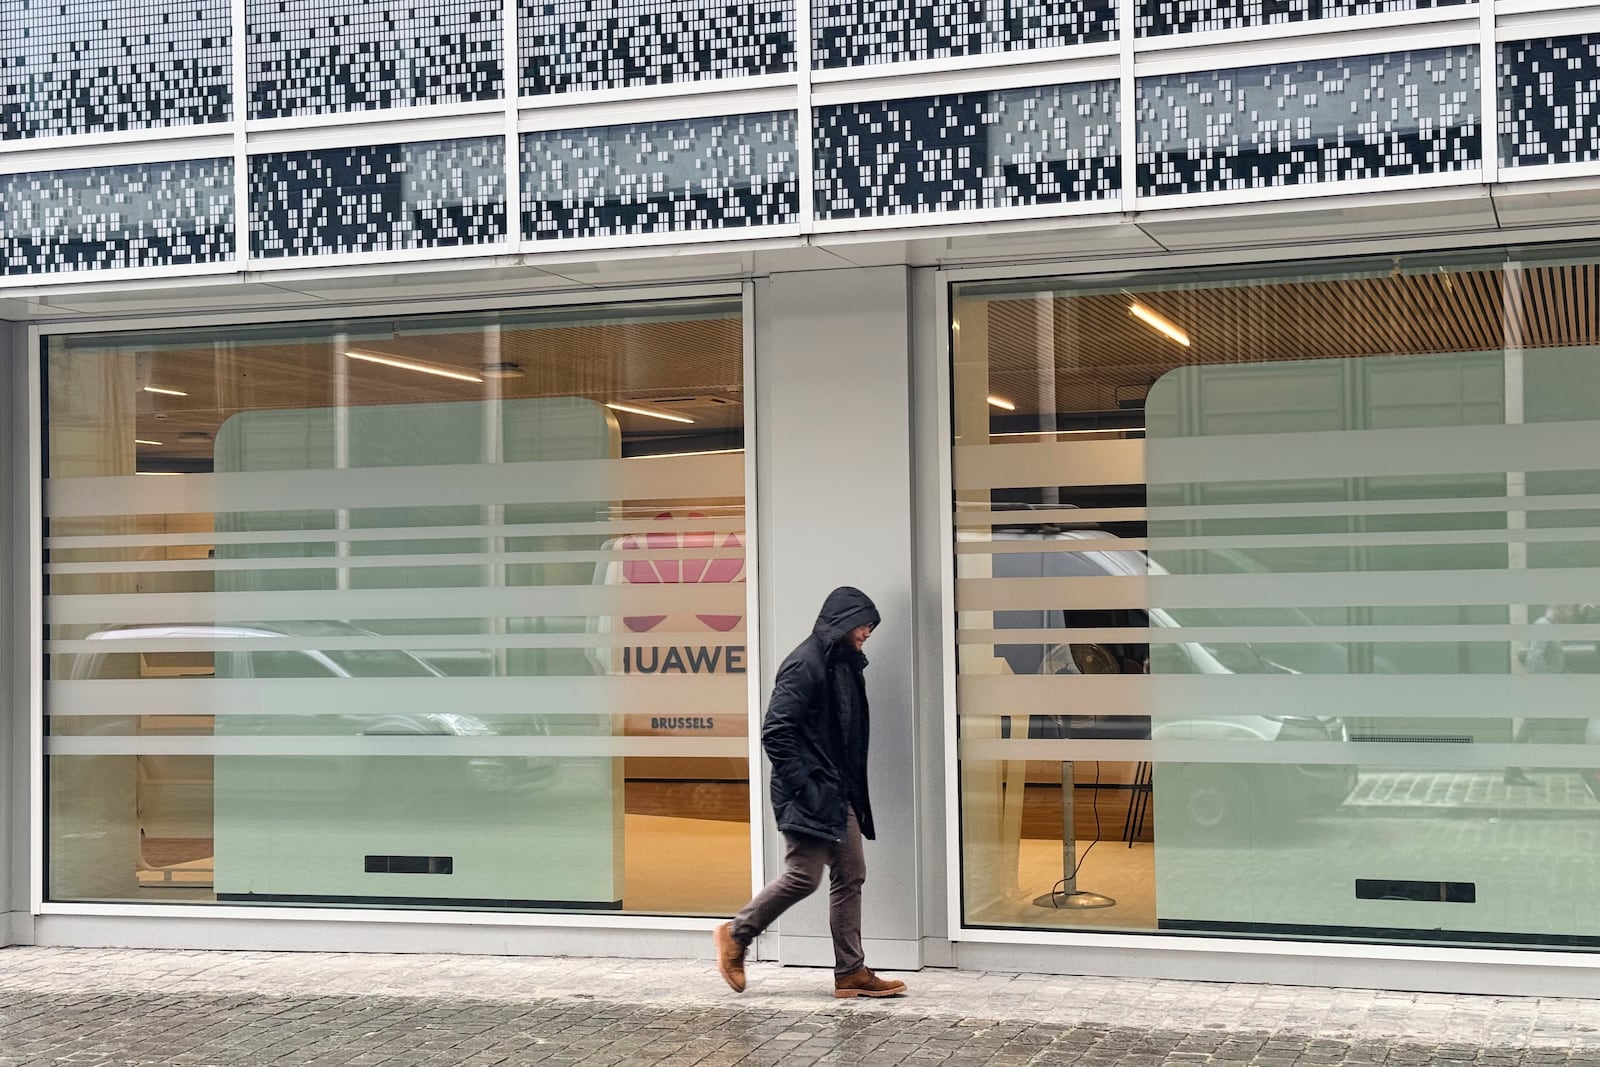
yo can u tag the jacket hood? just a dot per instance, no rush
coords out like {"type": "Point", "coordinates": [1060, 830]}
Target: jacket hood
{"type": "Point", "coordinates": [846, 608]}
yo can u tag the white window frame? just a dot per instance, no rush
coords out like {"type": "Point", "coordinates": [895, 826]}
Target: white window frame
{"type": "Point", "coordinates": [1219, 957]}
{"type": "Point", "coordinates": [37, 334]}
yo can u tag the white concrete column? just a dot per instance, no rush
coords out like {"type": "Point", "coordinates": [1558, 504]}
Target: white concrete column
{"type": "Point", "coordinates": [834, 467]}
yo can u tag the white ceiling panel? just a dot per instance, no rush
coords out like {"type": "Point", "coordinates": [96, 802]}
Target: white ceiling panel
{"type": "Point", "coordinates": [1329, 218]}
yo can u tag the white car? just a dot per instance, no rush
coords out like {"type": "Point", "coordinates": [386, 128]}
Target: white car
{"type": "Point", "coordinates": [1213, 798]}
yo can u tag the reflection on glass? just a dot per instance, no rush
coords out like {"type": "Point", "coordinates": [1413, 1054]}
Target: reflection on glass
{"type": "Point", "coordinates": [1309, 591]}
{"type": "Point", "coordinates": [378, 643]}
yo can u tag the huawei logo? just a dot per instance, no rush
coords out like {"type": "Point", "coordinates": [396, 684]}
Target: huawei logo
{"type": "Point", "coordinates": [665, 570]}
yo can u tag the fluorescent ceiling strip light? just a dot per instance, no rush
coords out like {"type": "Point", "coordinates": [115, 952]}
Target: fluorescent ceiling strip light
{"type": "Point", "coordinates": [1002, 403]}
{"type": "Point", "coordinates": [164, 392]}
{"type": "Point", "coordinates": [703, 452]}
{"type": "Point", "coordinates": [159, 474]}
{"type": "Point", "coordinates": [420, 368]}
{"type": "Point", "coordinates": [647, 412]}
{"type": "Point", "coordinates": [142, 441]}
{"type": "Point", "coordinates": [1061, 433]}
{"type": "Point", "coordinates": [1157, 323]}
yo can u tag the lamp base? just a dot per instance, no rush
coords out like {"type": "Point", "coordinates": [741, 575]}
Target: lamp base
{"type": "Point", "coordinates": [1073, 900]}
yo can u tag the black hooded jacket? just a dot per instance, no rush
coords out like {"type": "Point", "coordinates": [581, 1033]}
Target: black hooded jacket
{"type": "Point", "coordinates": [816, 728]}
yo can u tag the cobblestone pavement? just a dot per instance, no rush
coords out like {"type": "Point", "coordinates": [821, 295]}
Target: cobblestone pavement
{"type": "Point", "coordinates": [124, 1007]}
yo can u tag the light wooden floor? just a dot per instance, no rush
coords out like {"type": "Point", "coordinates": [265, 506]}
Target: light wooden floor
{"type": "Point", "coordinates": [694, 866]}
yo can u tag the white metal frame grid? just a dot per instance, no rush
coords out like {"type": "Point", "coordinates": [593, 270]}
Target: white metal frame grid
{"type": "Point", "coordinates": [36, 335]}
{"type": "Point", "coordinates": [1125, 59]}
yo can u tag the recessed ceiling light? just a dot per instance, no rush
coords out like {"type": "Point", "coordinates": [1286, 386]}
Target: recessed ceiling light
{"type": "Point", "coordinates": [141, 441]}
{"type": "Point", "coordinates": [630, 409]}
{"type": "Point", "coordinates": [502, 370]}
{"type": "Point", "coordinates": [164, 392]}
{"type": "Point", "coordinates": [414, 365]}
{"type": "Point", "coordinates": [1002, 403]}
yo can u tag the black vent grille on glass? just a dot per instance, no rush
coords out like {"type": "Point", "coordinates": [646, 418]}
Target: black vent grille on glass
{"type": "Point", "coordinates": [1439, 892]}
{"type": "Point", "coordinates": [411, 864]}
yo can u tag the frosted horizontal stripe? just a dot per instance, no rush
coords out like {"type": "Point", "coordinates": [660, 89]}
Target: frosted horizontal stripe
{"type": "Point", "coordinates": [1476, 505]}
{"type": "Point", "coordinates": [421, 643]}
{"type": "Point", "coordinates": [1049, 463]}
{"type": "Point", "coordinates": [613, 527]}
{"type": "Point", "coordinates": [441, 559]}
{"type": "Point", "coordinates": [1412, 755]}
{"type": "Point", "coordinates": [1195, 696]}
{"type": "Point", "coordinates": [1290, 509]}
{"type": "Point", "coordinates": [1368, 453]}
{"type": "Point", "coordinates": [1059, 694]}
{"type": "Point", "coordinates": [1424, 696]}
{"type": "Point", "coordinates": [707, 598]}
{"type": "Point", "coordinates": [659, 478]}
{"type": "Point", "coordinates": [656, 694]}
{"type": "Point", "coordinates": [1361, 540]}
{"type": "Point", "coordinates": [1451, 588]}
{"type": "Point", "coordinates": [1053, 749]}
{"type": "Point", "coordinates": [1285, 635]}
{"type": "Point", "coordinates": [1306, 540]}
{"type": "Point", "coordinates": [988, 547]}
{"type": "Point", "coordinates": [434, 745]}
{"type": "Point", "coordinates": [1373, 588]}
{"type": "Point", "coordinates": [1054, 594]}
{"type": "Point", "coordinates": [981, 519]}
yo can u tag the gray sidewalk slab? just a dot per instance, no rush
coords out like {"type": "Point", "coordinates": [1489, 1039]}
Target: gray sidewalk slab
{"type": "Point", "coordinates": [127, 1007]}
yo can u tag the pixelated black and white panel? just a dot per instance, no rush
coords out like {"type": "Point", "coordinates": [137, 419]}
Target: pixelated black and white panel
{"type": "Point", "coordinates": [567, 45]}
{"type": "Point", "coordinates": [423, 194]}
{"type": "Point", "coordinates": [1045, 145]}
{"type": "Point", "coordinates": [1550, 100]}
{"type": "Point", "coordinates": [1155, 18]}
{"type": "Point", "coordinates": [105, 218]}
{"type": "Point", "coordinates": [1377, 116]}
{"type": "Point", "coordinates": [91, 66]}
{"type": "Point", "coordinates": [847, 33]}
{"type": "Point", "coordinates": [661, 177]}
{"type": "Point", "coordinates": [311, 56]}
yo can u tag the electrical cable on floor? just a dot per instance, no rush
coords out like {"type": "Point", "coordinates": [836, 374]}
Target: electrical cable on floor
{"type": "Point", "coordinates": [1094, 803]}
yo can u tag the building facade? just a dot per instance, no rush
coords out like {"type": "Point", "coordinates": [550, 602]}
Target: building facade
{"type": "Point", "coordinates": [429, 426]}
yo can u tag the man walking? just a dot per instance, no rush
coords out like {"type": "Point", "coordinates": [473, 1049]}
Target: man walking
{"type": "Point", "coordinates": [815, 733]}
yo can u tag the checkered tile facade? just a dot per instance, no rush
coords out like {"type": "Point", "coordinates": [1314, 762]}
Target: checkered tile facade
{"type": "Point", "coordinates": [849, 33]}
{"type": "Point", "coordinates": [1156, 18]}
{"type": "Point", "coordinates": [1377, 116]}
{"type": "Point", "coordinates": [423, 194]}
{"type": "Point", "coordinates": [567, 45]}
{"type": "Point", "coordinates": [103, 218]}
{"type": "Point", "coordinates": [90, 66]}
{"type": "Point", "coordinates": [311, 56]}
{"type": "Point", "coordinates": [1012, 148]}
{"type": "Point", "coordinates": [1550, 100]}
{"type": "Point", "coordinates": [661, 177]}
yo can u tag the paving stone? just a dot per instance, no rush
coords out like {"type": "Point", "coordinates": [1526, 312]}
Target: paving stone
{"type": "Point", "coordinates": [68, 1007]}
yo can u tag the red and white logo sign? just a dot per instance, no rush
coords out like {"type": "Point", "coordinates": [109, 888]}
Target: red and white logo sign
{"type": "Point", "coordinates": [685, 641]}
{"type": "Point", "coordinates": [666, 570]}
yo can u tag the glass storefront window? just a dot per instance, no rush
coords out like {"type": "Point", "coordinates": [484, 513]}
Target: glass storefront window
{"type": "Point", "coordinates": [440, 611]}
{"type": "Point", "coordinates": [1276, 601]}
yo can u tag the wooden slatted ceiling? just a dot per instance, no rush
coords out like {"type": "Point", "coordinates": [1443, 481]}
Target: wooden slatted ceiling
{"type": "Point", "coordinates": [1102, 352]}
{"type": "Point", "coordinates": [692, 367]}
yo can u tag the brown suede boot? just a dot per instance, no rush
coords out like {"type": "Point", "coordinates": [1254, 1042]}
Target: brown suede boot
{"type": "Point", "coordinates": [730, 957]}
{"type": "Point", "coordinates": [864, 983]}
